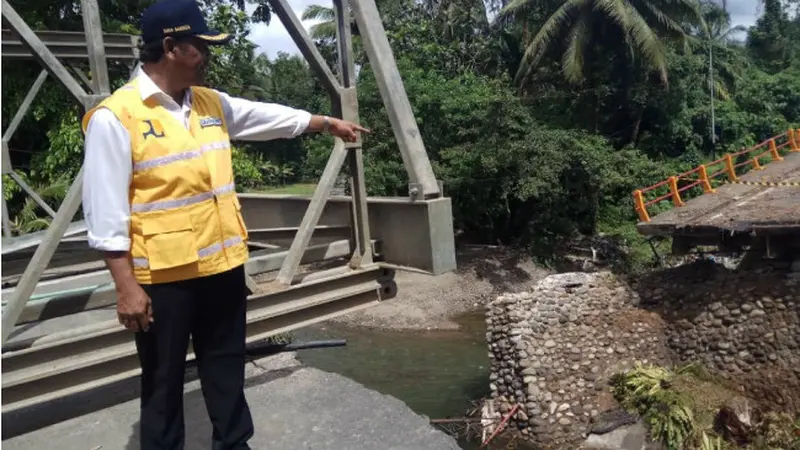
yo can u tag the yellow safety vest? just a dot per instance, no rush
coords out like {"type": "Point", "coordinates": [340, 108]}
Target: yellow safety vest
{"type": "Point", "coordinates": [186, 219]}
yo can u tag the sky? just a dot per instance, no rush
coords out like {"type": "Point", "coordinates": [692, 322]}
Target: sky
{"type": "Point", "coordinates": [744, 12]}
{"type": "Point", "coordinates": [273, 38]}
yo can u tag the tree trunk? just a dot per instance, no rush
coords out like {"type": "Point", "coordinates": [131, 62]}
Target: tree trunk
{"type": "Point", "coordinates": [636, 126]}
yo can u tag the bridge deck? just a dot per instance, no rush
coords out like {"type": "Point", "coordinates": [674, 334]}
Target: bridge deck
{"type": "Point", "coordinates": [739, 208]}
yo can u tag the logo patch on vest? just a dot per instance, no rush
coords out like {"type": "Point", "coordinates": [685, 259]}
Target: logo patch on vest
{"type": "Point", "coordinates": [151, 128]}
{"type": "Point", "coordinates": [206, 122]}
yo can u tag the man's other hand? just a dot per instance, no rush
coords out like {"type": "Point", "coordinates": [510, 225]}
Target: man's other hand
{"type": "Point", "coordinates": [345, 130]}
{"type": "Point", "coordinates": [134, 308]}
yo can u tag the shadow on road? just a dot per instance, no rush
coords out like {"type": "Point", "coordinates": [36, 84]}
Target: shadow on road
{"type": "Point", "coordinates": [37, 417]}
{"type": "Point", "coordinates": [197, 426]}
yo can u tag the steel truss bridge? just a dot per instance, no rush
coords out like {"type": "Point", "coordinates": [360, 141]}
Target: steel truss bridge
{"type": "Point", "coordinates": [312, 257]}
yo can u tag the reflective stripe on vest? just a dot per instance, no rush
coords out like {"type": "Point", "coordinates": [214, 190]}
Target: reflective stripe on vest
{"type": "Point", "coordinates": [178, 202]}
{"type": "Point", "coordinates": [194, 153]}
{"type": "Point", "coordinates": [202, 253]}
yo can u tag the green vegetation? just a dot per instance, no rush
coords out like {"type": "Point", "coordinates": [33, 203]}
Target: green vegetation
{"type": "Point", "coordinates": [540, 121]}
{"type": "Point", "coordinates": [686, 408]}
{"type": "Point", "coordinates": [646, 391]}
{"type": "Point", "coordinates": [290, 189]}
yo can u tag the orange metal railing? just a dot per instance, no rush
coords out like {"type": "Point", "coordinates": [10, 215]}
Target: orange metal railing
{"type": "Point", "coordinates": [703, 174]}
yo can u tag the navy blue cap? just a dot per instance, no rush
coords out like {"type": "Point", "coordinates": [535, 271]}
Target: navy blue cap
{"type": "Point", "coordinates": [178, 18]}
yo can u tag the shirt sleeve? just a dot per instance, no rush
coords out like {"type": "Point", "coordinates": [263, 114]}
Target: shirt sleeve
{"type": "Point", "coordinates": [256, 121]}
{"type": "Point", "coordinates": [106, 180]}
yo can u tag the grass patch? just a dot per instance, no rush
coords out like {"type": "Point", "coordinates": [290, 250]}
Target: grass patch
{"type": "Point", "coordinates": [289, 189]}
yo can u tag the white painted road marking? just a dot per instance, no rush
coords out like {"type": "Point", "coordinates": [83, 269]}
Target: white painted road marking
{"type": "Point", "coordinates": [754, 197]}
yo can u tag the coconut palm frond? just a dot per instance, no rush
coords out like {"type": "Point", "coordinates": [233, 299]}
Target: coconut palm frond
{"type": "Point", "coordinates": [546, 37]}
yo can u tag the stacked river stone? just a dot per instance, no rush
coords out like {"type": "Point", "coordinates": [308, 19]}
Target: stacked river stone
{"type": "Point", "coordinates": [554, 348]}
{"type": "Point", "coordinates": [743, 325]}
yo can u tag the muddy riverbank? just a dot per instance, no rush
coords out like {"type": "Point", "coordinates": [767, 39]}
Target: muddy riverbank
{"type": "Point", "coordinates": [426, 302]}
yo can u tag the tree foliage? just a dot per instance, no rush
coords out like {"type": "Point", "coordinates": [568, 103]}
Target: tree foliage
{"type": "Point", "coordinates": [576, 27]}
{"type": "Point", "coordinates": [770, 40]}
{"type": "Point", "coordinates": [539, 122]}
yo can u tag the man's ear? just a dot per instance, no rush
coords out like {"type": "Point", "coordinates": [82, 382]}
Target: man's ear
{"type": "Point", "coordinates": [170, 47]}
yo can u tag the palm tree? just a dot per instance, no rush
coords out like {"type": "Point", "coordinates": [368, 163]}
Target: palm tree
{"type": "Point", "coordinates": [641, 23]}
{"type": "Point", "coordinates": [715, 38]}
{"type": "Point", "coordinates": [717, 24]}
{"type": "Point", "coordinates": [326, 28]}
{"type": "Point", "coordinates": [717, 34]}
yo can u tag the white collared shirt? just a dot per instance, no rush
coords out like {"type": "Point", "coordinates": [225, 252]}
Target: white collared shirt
{"type": "Point", "coordinates": [108, 162]}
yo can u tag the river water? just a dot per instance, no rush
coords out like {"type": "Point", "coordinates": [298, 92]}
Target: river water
{"type": "Point", "coordinates": [436, 373]}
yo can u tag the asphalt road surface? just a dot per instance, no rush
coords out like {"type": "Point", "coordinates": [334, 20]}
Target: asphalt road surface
{"type": "Point", "coordinates": [294, 407]}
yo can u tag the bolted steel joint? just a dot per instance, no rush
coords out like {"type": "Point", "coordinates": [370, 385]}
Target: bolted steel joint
{"type": "Point", "coordinates": [415, 191]}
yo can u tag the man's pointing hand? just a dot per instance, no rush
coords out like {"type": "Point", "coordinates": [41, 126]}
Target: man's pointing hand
{"type": "Point", "coordinates": [344, 130]}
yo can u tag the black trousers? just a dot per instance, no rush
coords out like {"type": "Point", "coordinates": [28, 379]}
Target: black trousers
{"type": "Point", "coordinates": [213, 311]}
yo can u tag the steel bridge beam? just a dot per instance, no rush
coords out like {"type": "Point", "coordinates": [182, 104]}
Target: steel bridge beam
{"type": "Point", "coordinates": [97, 288]}
{"type": "Point", "coordinates": [71, 203]}
{"type": "Point", "coordinates": [72, 45]}
{"type": "Point", "coordinates": [75, 361]}
{"type": "Point", "coordinates": [411, 235]}
{"type": "Point", "coordinates": [70, 362]}
{"type": "Point", "coordinates": [395, 99]}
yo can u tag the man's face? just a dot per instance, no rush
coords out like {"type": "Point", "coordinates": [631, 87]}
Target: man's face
{"type": "Point", "coordinates": [188, 60]}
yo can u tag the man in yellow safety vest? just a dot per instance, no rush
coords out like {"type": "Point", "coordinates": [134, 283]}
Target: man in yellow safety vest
{"type": "Point", "coordinates": [159, 202]}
